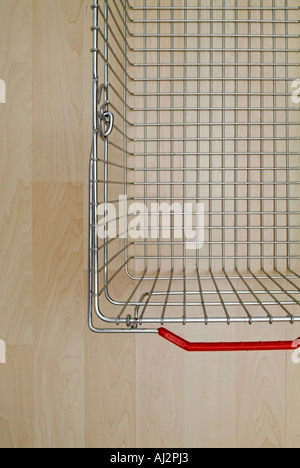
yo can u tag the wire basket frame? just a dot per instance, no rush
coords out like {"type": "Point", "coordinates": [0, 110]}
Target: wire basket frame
{"type": "Point", "coordinates": [195, 117]}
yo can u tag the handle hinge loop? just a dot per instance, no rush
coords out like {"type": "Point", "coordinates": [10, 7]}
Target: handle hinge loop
{"type": "Point", "coordinates": [105, 118]}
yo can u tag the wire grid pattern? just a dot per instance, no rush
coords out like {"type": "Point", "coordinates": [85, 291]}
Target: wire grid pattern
{"type": "Point", "coordinates": [202, 98]}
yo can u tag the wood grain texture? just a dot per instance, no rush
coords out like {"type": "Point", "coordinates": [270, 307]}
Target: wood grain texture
{"type": "Point", "coordinates": [261, 394]}
{"type": "Point", "coordinates": [87, 67]}
{"type": "Point", "coordinates": [292, 401]}
{"type": "Point", "coordinates": [17, 398]}
{"type": "Point", "coordinates": [58, 315]}
{"type": "Point", "coordinates": [16, 172]}
{"type": "Point", "coordinates": [58, 89]}
{"type": "Point", "coordinates": [62, 386]}
{"type": "Point", "coordinates": [210, 398]}
{"type": "Point", "coordinates": [110, 392]}
{"type": "Point", "coordinates": [160, 388]}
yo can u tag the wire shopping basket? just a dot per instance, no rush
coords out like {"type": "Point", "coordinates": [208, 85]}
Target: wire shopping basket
{"type": "Point", "coordinates": [195, 164]}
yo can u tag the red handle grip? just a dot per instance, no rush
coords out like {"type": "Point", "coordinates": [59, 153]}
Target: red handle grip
{"type": "Point", "coordinates": [233, 346]}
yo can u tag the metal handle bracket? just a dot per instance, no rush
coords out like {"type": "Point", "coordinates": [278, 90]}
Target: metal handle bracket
{"type": "Point", "coordinates": [105, 123]}
{"type": "Point", "coordinates": [106, 119]}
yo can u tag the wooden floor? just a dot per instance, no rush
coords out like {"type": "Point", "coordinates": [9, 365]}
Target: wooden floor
{"type": "Point", "coordinates": [62, 386]}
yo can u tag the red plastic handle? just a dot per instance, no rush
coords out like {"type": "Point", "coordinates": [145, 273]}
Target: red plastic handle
{"type": "Point", "coordinates": [233, 346]}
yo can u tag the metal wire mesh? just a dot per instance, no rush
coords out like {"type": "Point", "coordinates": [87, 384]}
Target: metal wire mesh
{"type": "Point", "coordinates": [202, 99]}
